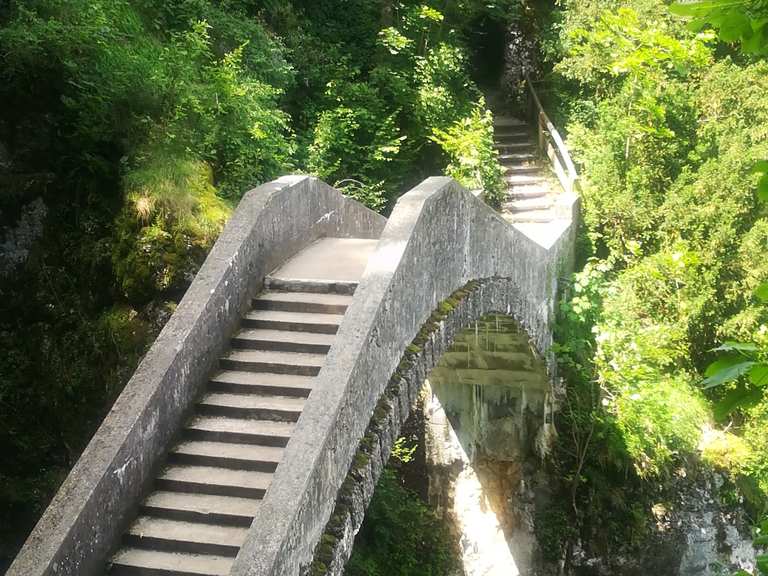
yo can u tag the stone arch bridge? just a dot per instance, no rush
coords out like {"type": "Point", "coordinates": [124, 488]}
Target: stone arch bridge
{"type": "Point", "coordinates": [250, 437]}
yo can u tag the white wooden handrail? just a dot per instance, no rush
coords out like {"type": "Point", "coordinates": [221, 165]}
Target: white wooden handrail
{"type": "Point", "coordinates": [551, 144]}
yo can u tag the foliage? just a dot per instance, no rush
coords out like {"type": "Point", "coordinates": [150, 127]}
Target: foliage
{"type": "Point", "coordinates": [383, 548]}
{"type": "Point", "coordinates": [669, 129]}
{"type": "Point", "coordinates": [742, 21]}
{"type": "Point", "coordinates": [469, 145]}
{"type": "Point", "coordinates": [633, 140]}
{"type": "Point", "coordinates": [381, 114]}
{"type": "Point", "coordinates": [357, 139]}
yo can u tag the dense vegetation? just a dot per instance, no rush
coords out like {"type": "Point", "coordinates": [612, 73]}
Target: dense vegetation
{"type": "Point", "coordinates": [131, 128]}
{"type": "Point", "coordinates": [382, 547]}
{"type": "Point", "coordinates": [668, 123]}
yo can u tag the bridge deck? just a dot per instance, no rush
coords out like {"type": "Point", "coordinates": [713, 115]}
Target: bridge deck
{"type": "Point", "coordinates": [196, 518]}
{"type": "Point", "coordinates": [329, 259]}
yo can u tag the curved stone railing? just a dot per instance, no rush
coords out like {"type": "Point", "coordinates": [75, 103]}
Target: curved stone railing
{"type": "Point", "coordinates": [91, 509]}
{"type": "Point", "coordinates": [437, 239]}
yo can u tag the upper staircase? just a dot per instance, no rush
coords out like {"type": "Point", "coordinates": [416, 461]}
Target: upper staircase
{"type": "Point", "coordinates": [532, 190]}
{"type": "Point", "coordinates": [540, 176]}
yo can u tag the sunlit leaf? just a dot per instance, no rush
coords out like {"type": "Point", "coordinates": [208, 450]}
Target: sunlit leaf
{"type": "Point", "coordinates": [758, 375]}
{"type": "Point", "coordinates": [728, 374]}
{"type": "Point", "coordinates": [762, 292]}
{"type": "Point", "coordinates": [700, 8]}
{"type": "Point", "coordinates": [762, 188]}
{"type": "Point", "coordinates": [722, 363]}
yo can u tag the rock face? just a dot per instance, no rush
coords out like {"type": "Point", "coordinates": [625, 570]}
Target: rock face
{"type": "Point", "coordinates": [693, 534]}
{"type": "Point", "coordinates": [485, 407]}
{"type": "Point", "coordinates": [17, 241]}
{"type": "Point", "coordinates": [716, 539]}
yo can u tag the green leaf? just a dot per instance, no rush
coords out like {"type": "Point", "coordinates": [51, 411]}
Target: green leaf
{"type": "Point", "coordinates": [695, 8]}
{"type": "Point", "coordinates": [762, 292]}
{"type": "Point", "coordinates": [760, 167]}
{"type": "Point", "coordinates": [728, 374]}
{"type": "Point", "coordinates": [730, 346]}
{"type": "Point", "coordinates": [758, 375]}
{"type": "Point", "coordinates": [722, 363]}
{"type": "Point", "coordinates": [762, 562]}
{"type": "Point", "coordinates": [740, 397]}
{"type": "Point", "coordinates": [762, 188]}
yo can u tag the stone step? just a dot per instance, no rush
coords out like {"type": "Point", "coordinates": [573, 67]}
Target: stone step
{"type": "Point", "coordinates": [512, 169]}
{"type": "Point", "coordinates": [300, 363]}
{"type": "Point", "coordinates": [513, 147]}
{"type": "Point", "coordinates": [277, 320]}
{"type": "Point", "coordinates": [518, 158]}
{"type": "Point", "coordinates": [533, 216]}
{"type": "Point", "coordinates": [507, 121]}
{"type": "Point", "coordinates": [324, 303]}
{"type": "Point", "coordinates": [137, 562]}
{"type": "Point", "coordinates": [227, 510]}
{"type": "Point", "coordinates": [279, 408]}
{"type": "Point", "coordinates": [524, 192]}
{"type": "Point", "coordinates": [226, 455]}
{"type": "Point", "coordinates": [512, 129]}
{"type": "Point", "coordinates": [239, 430]}
{"type": "Point", "coordinates": [529, 190]}
{"type": "Point", "coordinates": [283, 340]}
{"type": "Point", "coordinates": [512, 137]}
{"type": "Point", "coordinates": [342, 287]}
{"type": "Point", "coordinates": [524, 179]}
{"type": "Point", "coordinates": [168, 535]}
{"type": "Point", "coordinates": [244, 382]}
{"type": "Point", "coordinates": [529, 204]}
{"type": "Point", "coordinates": [214, 481]}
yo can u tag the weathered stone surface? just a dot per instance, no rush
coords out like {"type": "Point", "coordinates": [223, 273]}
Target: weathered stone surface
{"type": "Point", "coordinates": [93, 506]}
{"type": "Point", "coordinates": [487, 297]}
{"type": "Point", "coordinates": [437, 239]}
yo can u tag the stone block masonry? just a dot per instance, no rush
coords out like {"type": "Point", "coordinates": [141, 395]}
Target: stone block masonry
{"type": "Point", "coordinates": [438, 238]}
{"type": "Point", "coordinates": [461, 310]}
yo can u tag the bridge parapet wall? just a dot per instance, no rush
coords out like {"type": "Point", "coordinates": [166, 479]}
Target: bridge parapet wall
{"type": "Point", "coordinates": [90, 511]}
{"type": "Point", "coordinates": [438, 238]}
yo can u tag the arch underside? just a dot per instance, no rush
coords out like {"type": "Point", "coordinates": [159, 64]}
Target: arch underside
{"type": "Point", "coordinates": [430, 353]}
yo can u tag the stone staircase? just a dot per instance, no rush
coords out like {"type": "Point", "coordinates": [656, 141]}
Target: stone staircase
{"type": "Point", "coordinates": [203, 501]}
{"type": "Point", "coordinates": [532, 190]}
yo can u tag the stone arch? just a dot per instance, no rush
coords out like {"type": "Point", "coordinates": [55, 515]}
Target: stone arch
{"type": "Point", "coordinates": [463, 309]}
